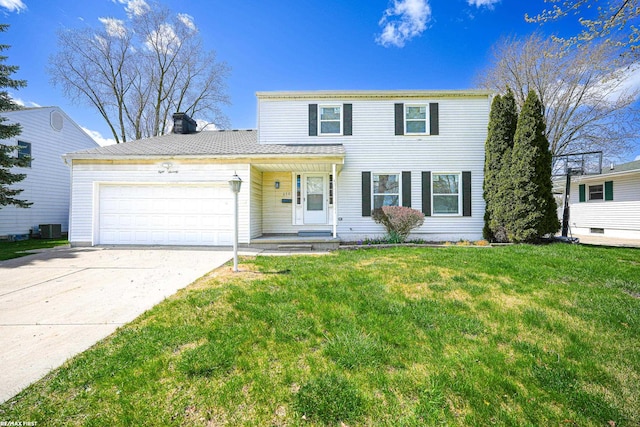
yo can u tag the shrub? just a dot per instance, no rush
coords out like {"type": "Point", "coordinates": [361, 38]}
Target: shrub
{"type": "Point", "coordinates": [398, 221]}
{"type": "Point", "coordinates": [329, 399]}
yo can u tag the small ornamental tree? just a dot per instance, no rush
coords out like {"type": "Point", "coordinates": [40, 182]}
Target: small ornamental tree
{"type": "Point", "coordinates": [8, 154]}
{"type": "Point", "coordinates": [398, 221]}
{"type": "Point", "coordinates": [533, 213]}
{"type": "Point", "coordinates": [497, 184]}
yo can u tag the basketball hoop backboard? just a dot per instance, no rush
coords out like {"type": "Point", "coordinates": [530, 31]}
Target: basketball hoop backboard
{"type": "Point", "coordinates": [588, 163]}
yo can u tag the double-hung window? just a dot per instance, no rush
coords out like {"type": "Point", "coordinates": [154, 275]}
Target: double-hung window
{"type": "Point", "coordinates": [386, 189]}
{"type": "Point", "coordinates": [330, 120]}
{"type": "Point", "coordinates": [24, 150]}
{"type": "Point", "coordinates": [596, 192]}
{"type": "Point", "coordinates": [415, 119]}
{"type": "Point", "coordinates": [446, 193]}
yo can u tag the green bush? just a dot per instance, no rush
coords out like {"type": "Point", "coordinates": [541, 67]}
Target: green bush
{"type": "Point", "coordinates": [398, 221]}
{"type": "Point", "coordinates": [329, 399]}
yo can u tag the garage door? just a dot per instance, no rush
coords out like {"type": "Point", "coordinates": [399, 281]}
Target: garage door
{"type": "Point", "coordinates": [166, 215]}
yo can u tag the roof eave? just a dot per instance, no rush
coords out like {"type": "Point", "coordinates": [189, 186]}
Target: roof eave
{"type": "Point", "coordinates": [373, 94]}
{"type": "Point", "coordinates": [80, 156]}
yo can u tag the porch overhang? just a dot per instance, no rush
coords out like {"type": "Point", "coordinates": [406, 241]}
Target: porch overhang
{"type": "Point", "coordinates": [299, 164]}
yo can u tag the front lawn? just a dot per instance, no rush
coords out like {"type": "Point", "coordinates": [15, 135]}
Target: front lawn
{"type": "Point", "coordinates": [518, 335]}
{"type": "Point", "coordinates": [9, 250]}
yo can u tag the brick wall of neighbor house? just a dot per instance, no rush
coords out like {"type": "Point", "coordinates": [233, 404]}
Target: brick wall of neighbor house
{"type": "Point", "coordinates": [373, 146]}
{"type": "Point", "coordinates": [51, 134]}
{"type": "Point", "coordinates": [618, 218]}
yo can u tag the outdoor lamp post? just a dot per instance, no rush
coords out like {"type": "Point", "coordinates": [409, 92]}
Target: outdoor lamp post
{"type": "Point", "coordinates": [234, 184]}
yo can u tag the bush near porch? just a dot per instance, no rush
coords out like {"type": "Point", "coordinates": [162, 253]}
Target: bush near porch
{"type": "Point", "coordinates": [516, 335]}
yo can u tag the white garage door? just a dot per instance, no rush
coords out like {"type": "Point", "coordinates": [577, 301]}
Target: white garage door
{"type": "Point", "coordinates": [166, 215]}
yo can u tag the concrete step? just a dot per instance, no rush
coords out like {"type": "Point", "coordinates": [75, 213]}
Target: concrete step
{"type": "Point", "coordinates": [295, 247]}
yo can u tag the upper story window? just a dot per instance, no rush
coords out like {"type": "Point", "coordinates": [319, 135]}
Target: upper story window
{"type": "Point", "coordinates": [446, 193]}
{"type": "Point", "coordinates": [333, 119]}
{"type": "Point", "coordinates": [24, 150]}
{"type": "Point", "coordinates": [386, 189]}
{"type": "Point", "coordinates": [596, 192]}
{"type": "Point", "coordinates": [415, 119]}
{"type": "Point", "coordinates": [330, 120]}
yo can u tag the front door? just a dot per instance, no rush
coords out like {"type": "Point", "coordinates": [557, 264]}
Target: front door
{"type": "Point", "coordinates": [315, 200]}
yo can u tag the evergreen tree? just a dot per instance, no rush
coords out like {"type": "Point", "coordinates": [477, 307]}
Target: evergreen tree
{"type": "Point", "coordinates": [8, 153]}
{"type": "Point", "coordinates": [503, 119]}
{"type": "Point", "coordinates": [533, 213]}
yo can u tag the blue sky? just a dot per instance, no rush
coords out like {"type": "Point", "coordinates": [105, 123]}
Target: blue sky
{"type": "Point", "coordinates": [293, 44]}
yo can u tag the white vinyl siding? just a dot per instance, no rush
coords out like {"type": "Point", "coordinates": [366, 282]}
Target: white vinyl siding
{"type": "Point", "coordinates": [48, 182]}
{"type": "Point", "coordinates": [618, 217]}
{"type": "Point", "coordinates": [256, 203]}
{"type": "Point", "coordinates": [374, 147]}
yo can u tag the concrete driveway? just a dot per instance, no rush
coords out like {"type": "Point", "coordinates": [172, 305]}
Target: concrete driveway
{"type": "Point", "coordinates": [58, 303]}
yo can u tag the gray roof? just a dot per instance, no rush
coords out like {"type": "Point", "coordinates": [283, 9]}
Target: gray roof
{"type": "Point", "coordinates": [624, 167]}
{"type": "Point", "coordinates": [230, 143]}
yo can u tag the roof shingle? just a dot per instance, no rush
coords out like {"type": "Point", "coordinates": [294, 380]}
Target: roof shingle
{"type": "Point", "coordinates": [207, 144]}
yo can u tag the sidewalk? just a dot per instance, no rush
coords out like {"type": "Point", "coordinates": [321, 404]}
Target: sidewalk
{"type": "Point", "coordinates": [607, 241]}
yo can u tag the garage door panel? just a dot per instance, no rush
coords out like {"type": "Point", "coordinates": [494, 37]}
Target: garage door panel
{"type": "Point", "coordinates": [165, 215]}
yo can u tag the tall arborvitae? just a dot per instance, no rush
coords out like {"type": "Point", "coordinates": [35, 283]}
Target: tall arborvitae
{"type": "Point", "coordinates": [8, 153]}
{"type": "Point", "coordinates": [533, 213]}
{"type": "Point", "coordinates": [503, 119]}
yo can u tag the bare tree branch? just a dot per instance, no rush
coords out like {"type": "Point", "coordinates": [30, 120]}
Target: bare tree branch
{"type": "Point", "coordinates": [588, 101]}
{"type": "Point", "coordinates": [137, 73]}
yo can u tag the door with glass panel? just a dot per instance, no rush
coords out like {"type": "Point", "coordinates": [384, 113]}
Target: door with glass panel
{"type": "Point", "coordinates": [315, 199]}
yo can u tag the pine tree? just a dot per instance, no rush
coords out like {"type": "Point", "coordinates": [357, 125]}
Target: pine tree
{"type": "Point", "coordinates": [8, 155]}
{"type": "Point", "coordinates": [503, 119]}
{"type": "Point", "coordinates": [534, 209]}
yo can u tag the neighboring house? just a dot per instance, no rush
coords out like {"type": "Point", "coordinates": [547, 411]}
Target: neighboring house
{"type": "Point", "coordinates": [607, 204]}
{"type": "Point", "coordinates": [47, 134]}
{"type": "Point", "coordinates": [318, 163]}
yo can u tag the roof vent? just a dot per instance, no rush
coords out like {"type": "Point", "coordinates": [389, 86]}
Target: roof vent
{"type": "Point", "coordinates": [183, 124]}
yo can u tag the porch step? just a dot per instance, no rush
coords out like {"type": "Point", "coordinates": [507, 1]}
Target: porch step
{"type": "Point", "coordinates": [295, 247]}
{"type": "Point", "coordinates": [315, 233]}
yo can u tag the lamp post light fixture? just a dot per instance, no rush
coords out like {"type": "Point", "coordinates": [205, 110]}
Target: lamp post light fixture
{"type": "Point", "coordinates": [234, 184]}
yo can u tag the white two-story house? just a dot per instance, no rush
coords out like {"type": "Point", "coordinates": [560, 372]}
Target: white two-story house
{"type": "Point", "coordinates": [318, 164]}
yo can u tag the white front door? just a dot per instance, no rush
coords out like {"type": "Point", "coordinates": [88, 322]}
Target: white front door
{"type": "Point", "coordinates": [315, 199]}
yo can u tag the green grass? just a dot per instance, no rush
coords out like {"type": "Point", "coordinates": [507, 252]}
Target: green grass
{"type": "Point", "coordinates": [9, 250]}
{"type": "Point", "coordinates": [510, 336]}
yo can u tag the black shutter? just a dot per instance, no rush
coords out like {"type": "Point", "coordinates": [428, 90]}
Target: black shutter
{"type": "Point", "coordinates": [313, 119]}
{"type": "Point", "coordinates": [406, 189]}
{"type": "Point", "coordinates": [582, 192]}
{"type": "Point", "coordinates": [366, 193]}
{"type": "Point", "coordinates": [434, 125]}
{"type": "Point", "coordinates": [466, 193]}
{"type": "Point", "coordinates": [426, 193]}
{"type": "Point", "coordinates": [347, 119]}
{"type": "Point", "coordinates": [608, 190]}
{"type": "Point", "coordinates": [399, 115]}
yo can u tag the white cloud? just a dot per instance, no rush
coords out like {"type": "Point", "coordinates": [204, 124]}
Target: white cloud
{"type": "Point", "coordinates": [25, 104]}
{"type": "Point", "coordinates": [480, 3]}
{"type": "Point", "coordinates": [187, 20]}
{"type": "Point", "coordinates": [134, 7]}
{"type": "Point", "coordinates": [13, 5]}
{"type": "Point", "coordinates": [163, 40]}
{"type": "Point", "coordinates": [114, 27]}
{"type": "Point", "coordinates": [404, 20]}
{"type": "Point", "coordinates": [637, 158]}
{"type": "Point", "coordinates": [97, 137]}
